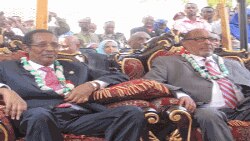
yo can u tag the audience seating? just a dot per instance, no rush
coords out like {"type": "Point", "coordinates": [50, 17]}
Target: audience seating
{"type": "Point", "coordinates": [167, 121]}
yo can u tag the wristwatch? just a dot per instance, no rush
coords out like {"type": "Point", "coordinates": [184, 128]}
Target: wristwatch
{"type": "Point", "coordinates": [95, 85]}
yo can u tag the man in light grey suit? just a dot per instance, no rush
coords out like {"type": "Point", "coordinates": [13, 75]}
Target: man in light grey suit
{"type": "Point", "coordinates": [201, 92]}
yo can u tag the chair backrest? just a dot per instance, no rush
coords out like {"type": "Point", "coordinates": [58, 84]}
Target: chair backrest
{"type": "Point", "coordinates": [71, 57]}
{"type": "Point", "coordinates": [135, 65]}
{"type": "Point", "coordinates": [157, 54]}
{"type": "Point", "coordinates": [132, 67]}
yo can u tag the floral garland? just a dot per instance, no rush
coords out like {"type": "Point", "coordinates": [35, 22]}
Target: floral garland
{"type": "Point", "coordinates": [66, 85]}
{"type": "Point", "coordinates": [203, 72]}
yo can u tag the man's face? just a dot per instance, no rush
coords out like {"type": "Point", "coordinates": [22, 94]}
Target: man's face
{"type": "Point", "coordinates": [139, 41]}
{"type": "Point", "coordinates": [43, 49]}
{"type": "Point", "coordinates": [207, 13]}
{"type": "Point", "coordinates": [84, 24]}
{"type": "Point", "coordinates": [72, 43]}
{"type": "Point", "coordinates": [109, 28]}
{"type": "Point", "coordinates": [191, 9]}
{"type": "Point", "coordinates": [149, 22]}
{"type": "Point", "coordinates": [199, 43]}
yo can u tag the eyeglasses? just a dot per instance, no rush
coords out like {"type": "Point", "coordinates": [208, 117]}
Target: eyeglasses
{"type": "Point", "coordinates": [45, 44]}
{"type": "Point", "coordinates": [203, 39]}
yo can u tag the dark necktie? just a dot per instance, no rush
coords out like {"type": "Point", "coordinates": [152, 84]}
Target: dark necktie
{"type": "Point", "coordinates": [225, 85]}
{"type": "Point", "coordinates": [51, 79]}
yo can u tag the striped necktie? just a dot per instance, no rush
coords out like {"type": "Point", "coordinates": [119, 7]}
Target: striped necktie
{"type": "Point", "coordinates": [225, 85]}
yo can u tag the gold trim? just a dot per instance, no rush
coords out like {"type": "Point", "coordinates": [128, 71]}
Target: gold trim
{"type": "Point", "coordinates": [5, 132]}
{"type": "Point", "coordinates": [12, 43]}
{"type": "Point", "coordinates": [165, 42]}
{"type": "Point", "coordinates": [176, 49]}
{"type": "Point", "coordinates": [175, 136]}
{"type": "Point", "coordinates": [65, 59]}
{"type": "Point", "coordinates": [152, 137]}
{"type": "Point", "coordinates": [175, 116]}
{"type": "Point", "coordinates": [246, 59]}
{"type": "Point", "coordinates": [152, 117]}
{"type": "Point", "coordinates": [5, 50]}
{"type": "Point", "coordinates": [68, 54]}
{"type": "Point", "coordinates": [149, 62]}
{"type": "Point", "coordinates": [235, 57]}
{"type": "Point", "coordinates": [233, 51]}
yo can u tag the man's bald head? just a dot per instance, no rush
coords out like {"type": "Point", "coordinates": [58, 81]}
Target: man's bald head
{"type": "Point", "coordinates": [199, 42]}
{"type": "Point", "coordinates": [137, 40]}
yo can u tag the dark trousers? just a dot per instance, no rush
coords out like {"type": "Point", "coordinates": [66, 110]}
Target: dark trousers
{"type": "Point", "coordinates": [125, 123]}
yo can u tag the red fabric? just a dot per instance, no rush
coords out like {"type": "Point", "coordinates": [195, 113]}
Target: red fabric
{"type": "Point", "coordinates": [138, 103]}
{"type": "Point", "coordinates": [51, 79]}
{"type": "Point", "coordinates": [134, 89]}
{"type": "Point", "coordinates": [225, 85]}
{"type": "Point", "coordinates": [133, 68]}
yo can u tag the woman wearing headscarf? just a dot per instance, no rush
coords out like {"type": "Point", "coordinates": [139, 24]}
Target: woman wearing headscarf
{"type": "Point", "coordinates": [235, 28]}
{"type": "Point", "coordinates": [107, 47]}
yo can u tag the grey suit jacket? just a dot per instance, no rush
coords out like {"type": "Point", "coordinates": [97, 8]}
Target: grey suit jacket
{"type": "Point", "coordinates": [178, 74]}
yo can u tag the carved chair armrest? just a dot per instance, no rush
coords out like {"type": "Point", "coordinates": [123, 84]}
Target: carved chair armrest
{"type": "Point", "coordinates": [6, 129]}
{"type": "Point", "coordinates": [181, 118]}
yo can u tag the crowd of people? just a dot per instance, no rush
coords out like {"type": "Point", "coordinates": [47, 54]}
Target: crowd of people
{"type": "Point", "coordinates": [208, 86]}
{"type": "Point", "coordinates": [208, 17]}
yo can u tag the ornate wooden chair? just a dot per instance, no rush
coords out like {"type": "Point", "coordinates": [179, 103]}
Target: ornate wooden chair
{"type": "Point", "coordinates": [183, 129]}
{"type": "Point", "coordinates": [161, 108]}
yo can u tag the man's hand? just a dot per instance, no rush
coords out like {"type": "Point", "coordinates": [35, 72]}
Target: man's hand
{"type": "Point", "coordinates": [188, 103]}
{"type": "Point", "coordinates": [14, 104]}
{"type": "Point", "coordinates": [80, 94]}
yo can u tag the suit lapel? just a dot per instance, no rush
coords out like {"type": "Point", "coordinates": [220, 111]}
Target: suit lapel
{"type": "Point", "coordinates": [189, 67]}
{"type": "Point", "coordinates": [71, 73]}
{"type": "Point", "coordinates": [28, 78]}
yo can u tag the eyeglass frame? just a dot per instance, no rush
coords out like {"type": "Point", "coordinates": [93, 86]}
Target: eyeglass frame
{"type": "Point", "coordinates": [203, 39]}
{"type": "Point", "coordinates": [55, 45]}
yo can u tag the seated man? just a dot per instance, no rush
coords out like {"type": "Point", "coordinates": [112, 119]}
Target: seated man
{"type": "Point", "coordinates": [136, 42]}
{"type": "Point", "coordinates": [212, 88]}
{"type": "Point", "coordinates": [45, 97]}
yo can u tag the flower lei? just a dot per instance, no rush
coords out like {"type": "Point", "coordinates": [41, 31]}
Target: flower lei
{"type": "Point", "coordinates": [66, 85]}
{"type": "Point", "coordinates": [203, 72]}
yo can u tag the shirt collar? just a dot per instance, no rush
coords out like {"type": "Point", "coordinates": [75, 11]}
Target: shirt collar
{"type": "Point", "coordinates": [38, 66]}
{"type": "Point", "coordinates": [199, 58]}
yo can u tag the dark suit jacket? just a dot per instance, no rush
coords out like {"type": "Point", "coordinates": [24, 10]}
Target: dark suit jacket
{"type": "Point", "coordinates": [178, 74]}
{"type": "Point", "coordinates": [22, 82]}
{"type": "Point", "coordinates": [101, 61]}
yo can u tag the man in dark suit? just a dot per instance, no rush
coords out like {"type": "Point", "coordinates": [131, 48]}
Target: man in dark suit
{"type": "Point", "coordinates": [45, 97]}
{"type": "Point", "coordinates": [148, 27]}
{"type": "Point", "coordinates": [212, 98]}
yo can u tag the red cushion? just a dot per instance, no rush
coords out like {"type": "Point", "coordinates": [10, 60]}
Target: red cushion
{"type": "Point", "coordinates": [134, 89]}
{"type": "Point", "coordinates": [132, 67]}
